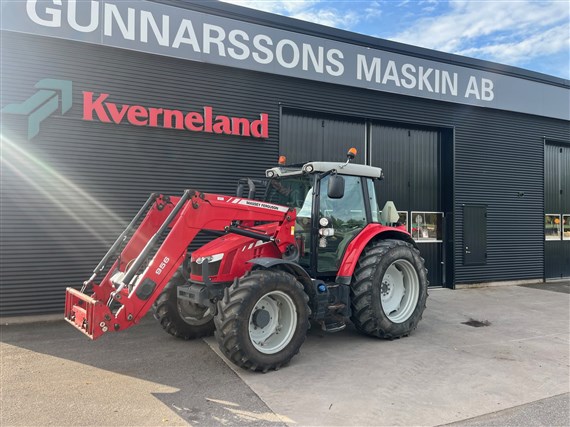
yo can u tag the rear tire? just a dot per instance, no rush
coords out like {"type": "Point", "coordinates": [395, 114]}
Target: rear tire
{"type": "Point", "coordinates": [389, 289]}
{"type": "Point", "coordinates": [180, 318]}
{"type": "Point", "coordinates": [262, 320]}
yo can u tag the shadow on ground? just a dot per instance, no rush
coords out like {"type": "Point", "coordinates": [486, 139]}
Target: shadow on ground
{"type": "Point", "coordinates": [71, 380]}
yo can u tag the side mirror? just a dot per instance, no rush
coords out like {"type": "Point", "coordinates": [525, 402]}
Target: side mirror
{"type": "Point", "coordinates": [335, 189]}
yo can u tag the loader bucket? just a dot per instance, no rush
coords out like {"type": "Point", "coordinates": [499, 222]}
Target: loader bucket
{"type": "Point", "coordinates": [90, 316]}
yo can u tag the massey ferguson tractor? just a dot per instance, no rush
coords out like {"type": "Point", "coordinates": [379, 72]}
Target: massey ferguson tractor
{"type": "Point", "coordinates": [314, 248]}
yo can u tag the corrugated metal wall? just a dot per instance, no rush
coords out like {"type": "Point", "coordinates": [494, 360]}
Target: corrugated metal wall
{"type": "Point", "coordinates": [390, 150]}
{"type": "Point", "coordinates": [325, 138]}
{"type": "Point", "coordinates": [53, 234]}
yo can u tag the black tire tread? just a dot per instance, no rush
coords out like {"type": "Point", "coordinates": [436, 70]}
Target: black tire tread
{"type": "Point", "coordinates": [230, 318]}
{"type": "Point", "coordinates": [166, 312]}
{"type": "Point", "coordinates": [363, 317]}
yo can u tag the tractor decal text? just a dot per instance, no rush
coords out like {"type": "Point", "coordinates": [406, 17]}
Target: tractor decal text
{"type": "Point", "coordinates": [97, 107]}
{"type": "Point", "coordinates": [263, 205]}
{"type": "Point", "coordinates": [162, 266]}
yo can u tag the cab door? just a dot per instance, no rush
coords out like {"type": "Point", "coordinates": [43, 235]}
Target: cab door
{"type": "Point", "coordinates": [339, 221]}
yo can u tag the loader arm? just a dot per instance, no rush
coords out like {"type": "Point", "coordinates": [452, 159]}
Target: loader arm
{"type": "Point", "coordinates": [133, 282]}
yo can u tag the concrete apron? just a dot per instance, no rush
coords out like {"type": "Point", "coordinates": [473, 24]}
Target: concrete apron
{"type": "Point", "coordinates": [444, 372]}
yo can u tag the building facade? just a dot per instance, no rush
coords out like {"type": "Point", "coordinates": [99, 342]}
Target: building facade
{"type": "Point", "coordinates": [106, 102]}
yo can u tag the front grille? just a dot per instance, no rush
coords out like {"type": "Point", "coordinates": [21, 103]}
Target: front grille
{"type": "Point", "coordinates": [214, 268]}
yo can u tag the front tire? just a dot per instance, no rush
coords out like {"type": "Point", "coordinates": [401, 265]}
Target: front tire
{"type": "Point", "coordinates": [181, 318]}
{"type": "Point", "coordinates": [389, 289]}
{"type": "Point", "coordinates": [262, 320]}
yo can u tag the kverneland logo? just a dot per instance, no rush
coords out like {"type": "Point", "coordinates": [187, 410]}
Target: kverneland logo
{"type": "Point", "coordinates": [53, 93]}
{"type": "Point", "coordinates": [97, 107]}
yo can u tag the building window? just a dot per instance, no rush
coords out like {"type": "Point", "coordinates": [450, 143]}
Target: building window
{"type": "Point", "coordinates": [427, 226]}
{"type": "Point", "coordinates": [552, 228]}
{"type": "Point", "coordinates": [566, 227]}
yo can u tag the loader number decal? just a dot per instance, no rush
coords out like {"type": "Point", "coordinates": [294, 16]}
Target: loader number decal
{"type": "Point", "coordinates": [162, 265]}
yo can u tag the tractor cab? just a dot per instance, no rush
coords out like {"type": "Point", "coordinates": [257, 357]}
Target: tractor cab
{"type": "Point", "coordinates": [334, 202]}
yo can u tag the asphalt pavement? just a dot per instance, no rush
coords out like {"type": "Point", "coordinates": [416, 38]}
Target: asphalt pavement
{"type": "Point", "coordinates": [52, 375]}
{"type": "Point", "coordinates": [514, 369]}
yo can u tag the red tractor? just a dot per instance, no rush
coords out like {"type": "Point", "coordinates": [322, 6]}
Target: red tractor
{"type": "Point", "coordinates": [314, 248]}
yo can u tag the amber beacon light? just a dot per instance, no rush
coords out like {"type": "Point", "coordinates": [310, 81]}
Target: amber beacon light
{"type": "Point", "coordinates": [351, 153]}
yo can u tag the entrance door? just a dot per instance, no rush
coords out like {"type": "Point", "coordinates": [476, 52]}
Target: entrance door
{"type": "Point", "coordinates": [410, 159]}
{"type": "Point", "coordinates": [556, 211]}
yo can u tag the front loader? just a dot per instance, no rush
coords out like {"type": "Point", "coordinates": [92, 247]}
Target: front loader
{"type": "Point", "coordinates": [314, 249]}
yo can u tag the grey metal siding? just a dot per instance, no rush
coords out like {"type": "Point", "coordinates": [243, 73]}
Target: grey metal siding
{"type": "Point", "coordinates": [390, 150]}
{"type": "Point", "coordinates": [308, 137]}
{"type": "Point", "coordinates": [49, 234]}
{"type": "Point", "coordinates": [552, 179]}
{"type": "Point", "coordinates": [494, 163]}
{"type": "Point", "coordinates": [426, 170]}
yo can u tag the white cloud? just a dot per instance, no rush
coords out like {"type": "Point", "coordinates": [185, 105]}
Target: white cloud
{"type": "Point", "coordinates": [329, 17]}
{"type": "Point", "coordinates": [552, 41]}
{"type": "Point", "coordinates": [513, 32]}
{"type": "Point", "coordinates": [281, 7]}
{"type": "Point", "coordinates": [315, 11]}
{"type": "Point", "coordinates": [502, 31]}
{"type": "Point", "coordinates": [373, 10]}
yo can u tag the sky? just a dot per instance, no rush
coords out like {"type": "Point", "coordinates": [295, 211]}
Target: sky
{"type": "Point", "coordinates": [534, 35]}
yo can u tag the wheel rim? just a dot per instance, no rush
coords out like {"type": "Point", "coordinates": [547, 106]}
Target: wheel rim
{"type": "Point", "coordinates": [272, 322]}
{"type": "Point", "coordinates": [194, 314]}
{"type": "Point", "coordinates": [399, 291]}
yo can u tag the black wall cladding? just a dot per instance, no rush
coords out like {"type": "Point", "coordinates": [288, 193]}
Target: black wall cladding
{"type": "Point", "coordinates": [68, 192]}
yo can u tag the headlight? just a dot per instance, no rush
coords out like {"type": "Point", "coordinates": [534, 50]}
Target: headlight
{"type": "Point", "coordinates": [214, 262]}
{"type": "Point", "coordinates": [211, 258]}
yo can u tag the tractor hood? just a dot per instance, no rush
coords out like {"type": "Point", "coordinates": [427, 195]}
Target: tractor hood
{"type": "Point", "coordinates": [226, 257]}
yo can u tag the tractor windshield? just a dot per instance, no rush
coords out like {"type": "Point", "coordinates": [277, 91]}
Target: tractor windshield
{"type": "Point", "coordinates": [292, 191]}
{"type": "Point", "coordinates": [296, 191]}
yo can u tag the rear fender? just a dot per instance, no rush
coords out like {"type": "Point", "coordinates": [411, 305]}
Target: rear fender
{"type": "Point", "coordinates": [354, 249]}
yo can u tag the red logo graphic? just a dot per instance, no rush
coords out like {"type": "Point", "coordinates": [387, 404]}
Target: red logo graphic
{"type": "Point", "coordinates": [195, 121]}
